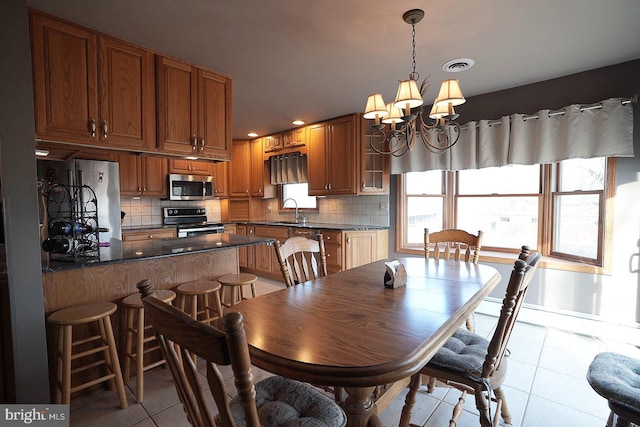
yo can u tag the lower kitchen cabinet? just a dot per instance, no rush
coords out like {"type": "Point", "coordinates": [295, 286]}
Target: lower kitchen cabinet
{"type": "Point", "coordinates": [266, 258]}
{"type": "Point", "coordinates": [333, 250]}
{"type": "Point", "coordinates": [363, 247]}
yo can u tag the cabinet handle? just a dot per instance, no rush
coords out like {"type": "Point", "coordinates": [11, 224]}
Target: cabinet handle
{"type": "Point", "coordinates": [139, 189]}
{"type": "Point", "coordinates": [105, 129]}
{"type": "Point", "coordinates": [201, 144]}
{"type": "Point", "coordinates": [144, 189]}
{"type": "Point", "coordinates": [194, 142]}
{"type": "Point", "coordinates": [151, 236]}
{"type": "Point", "coordinates": [328, 255]}
{"type": "Point", "coordinates": [363, 187]}
{"type": "Point", "coordinates": [348, 239]}
{"type": "Point", "coordinates": [330, 187]}
{"type": "Point", "coordinates": [92, 127]}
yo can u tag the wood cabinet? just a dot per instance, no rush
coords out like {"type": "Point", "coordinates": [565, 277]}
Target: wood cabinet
{"type": "Point", "coordinates": [220, 180]}
{"type": "Point", "coordinates": [271, 143]}
{"type": "Point", "coordinates": [142, 176]}
{"type": "Point", "coordinates": [194, 110]}
{"type": "Point", "coordinates": [332, 157]}
{"type": "Point", "coordinates": [294, 138]}
{"type": "Point", "coordinates": [246, 254]}
{"type": "Point", "coordinates": [374, 167]}
{"type": "Point", "coordinates": [190, 167]}
{"type": "Point", "coordinates": [150, 234]}
{"type": "Point", "coordinates": [363, 247]}
{"type": "Point", "coordinates": [266, 260]}
{"type": "Point", "coordinates": [333, 249]}
{"type": "Point", "coordinates": [240, 169]}
{"type": "Point", "coordinates": [260, 177]}
{"type": "Point", "coordinates": [91, 89]}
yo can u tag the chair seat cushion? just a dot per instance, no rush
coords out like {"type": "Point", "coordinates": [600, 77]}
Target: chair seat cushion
{"type": "Point", "coordinates": [288, 403]}
{"type": "Point", "coordinates": [616, 378]}
{"type": "Point", "coordinates": [463, 352]}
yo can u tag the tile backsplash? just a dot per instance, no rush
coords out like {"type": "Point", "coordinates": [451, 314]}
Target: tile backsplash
{"type": "Point", "coordinates": [356, 210]}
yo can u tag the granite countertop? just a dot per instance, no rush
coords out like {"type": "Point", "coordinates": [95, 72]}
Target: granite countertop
{"type": "Point", "coordinates": [315, 225]}
{"type": "Point", "coordinates": [120, 251]}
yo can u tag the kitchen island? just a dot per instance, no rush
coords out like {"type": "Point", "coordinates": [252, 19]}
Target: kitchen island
{"type": "Point", "coordinates": [166, 262]}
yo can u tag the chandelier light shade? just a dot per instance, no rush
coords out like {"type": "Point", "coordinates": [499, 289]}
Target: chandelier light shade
{"type": "Point", "coordinates": [375, 109]}
{"type": "Point", "coordinates": [396, 140]}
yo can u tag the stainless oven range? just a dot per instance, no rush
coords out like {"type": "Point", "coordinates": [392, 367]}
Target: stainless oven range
{"type": "Point", "coordinates": [191, 221]}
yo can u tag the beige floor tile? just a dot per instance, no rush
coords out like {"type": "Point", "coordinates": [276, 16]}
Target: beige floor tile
{"type": "Point", "coordinates": [543, 412]}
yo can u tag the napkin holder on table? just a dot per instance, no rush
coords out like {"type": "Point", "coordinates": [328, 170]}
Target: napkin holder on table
{"type": "Point", "coordinates": [395, 275]}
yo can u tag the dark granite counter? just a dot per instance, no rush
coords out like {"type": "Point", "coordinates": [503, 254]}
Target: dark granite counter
{"type": "Point", "coordinates": [316, 225]}
{"type": "Point", "coordinates": [120, 251]}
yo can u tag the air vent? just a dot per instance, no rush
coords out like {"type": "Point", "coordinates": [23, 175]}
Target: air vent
{"type": "Point", "coordinates": [457, 65]}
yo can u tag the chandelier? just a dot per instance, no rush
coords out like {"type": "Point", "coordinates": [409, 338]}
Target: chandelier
{"type": "Point", "coordinates": [404, 124]}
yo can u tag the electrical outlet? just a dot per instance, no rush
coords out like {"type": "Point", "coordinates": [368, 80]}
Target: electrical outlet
{"type": "Point", "coordinates": [141, 209]}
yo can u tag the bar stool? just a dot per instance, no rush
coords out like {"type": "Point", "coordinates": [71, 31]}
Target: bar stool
{"type": "Point", "coordinates": [64, 320]}
{"type": "Point", "coordinates": [134, 319]}
{"type": "Point", "coordinates": [236, 283]}
{"type": "Point", "coordinates": [199, 290]}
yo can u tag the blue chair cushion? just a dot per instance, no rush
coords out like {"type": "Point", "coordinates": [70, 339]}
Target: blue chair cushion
{"type": "Point", "coordinates": [463, 352]}
{"type": "Point", "coordinates": [288, 403]}
{"type": "Point", "coordinates": [616, 378]}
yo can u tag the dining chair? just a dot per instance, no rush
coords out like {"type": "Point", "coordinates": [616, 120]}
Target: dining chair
{"type": "Point", "coordinates": [616, 377]}
{"type": "Point", "coordinates": [474, 365]}
{"type": "Point", "coordinates": [459, 244]}
{"type": "Point", "coordinates": [273, 401]}
{"type": "Point", "coordinates": [301, 259]}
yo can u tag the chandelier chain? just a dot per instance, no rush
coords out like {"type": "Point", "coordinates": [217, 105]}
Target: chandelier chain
{"type": "Point", "coordinates": [414, 75]}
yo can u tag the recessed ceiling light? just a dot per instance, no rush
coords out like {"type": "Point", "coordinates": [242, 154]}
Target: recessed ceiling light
{"type": "Point", "coordinates": [42, 153]}
{"type": "Point", "coordinates": [457, 65]}
{"type": "Point", "coordinates": [252, 134]}
{"type": "Point", "coordinates": [297, 122]}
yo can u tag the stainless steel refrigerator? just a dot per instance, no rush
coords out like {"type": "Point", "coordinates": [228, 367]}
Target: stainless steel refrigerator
{"type": "Point", "coordinates": [83, 179]}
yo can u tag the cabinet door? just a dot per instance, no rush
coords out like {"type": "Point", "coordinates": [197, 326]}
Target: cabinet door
{"type": "Point", "coordinates": [127, 96]}
{"type": "Point", "coordinates": [294, 138]}
{"type": "Point", "coordinates": [65, 78]}
{"type": "Point", "coordinates": [130, 185]}
{"type": "Point", "coordinates": [260, 178]}
{"type": "Point", "coordinates": [220, 185]}
{"type": "Point", "coordinates": [154, 176]}
{"type": "Point", "coordinates": [240, 168]}
{"type": "Point", "coordinates": [176, 106]}
{"type": "Point", "coordinates": [214, 115]}
{"type": "Point", "coordinates": [317, 159]}
{"type": "Point", "coordinates": [342, 161]}
{"type": "Point", "coordinates": [374, 167]}
{"type": "Point", "coordinates": [360, 248]}
{"type": "Point", "coordinates": [241, 230]}
{"type": "Point", "coordinates": [272, 143]}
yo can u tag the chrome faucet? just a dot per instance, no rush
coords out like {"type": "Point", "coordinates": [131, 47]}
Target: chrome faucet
{"type": "Point", "coordinates": [294, 201]}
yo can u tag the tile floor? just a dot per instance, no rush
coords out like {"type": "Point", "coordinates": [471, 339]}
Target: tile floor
{"type": "Point", "coordinates": [546, 385]}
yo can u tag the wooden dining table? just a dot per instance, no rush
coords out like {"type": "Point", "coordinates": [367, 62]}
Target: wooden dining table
{"type": "Point", "coordinates": [348, 330]}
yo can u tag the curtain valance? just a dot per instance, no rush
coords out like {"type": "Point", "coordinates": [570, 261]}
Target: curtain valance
{"type": "Point", "coordinates": [576, 131]}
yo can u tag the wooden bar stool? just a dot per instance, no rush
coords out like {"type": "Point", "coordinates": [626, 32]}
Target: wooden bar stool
{"type": "Point", "coordinates": [236, 283]}
{"type": "Point", "coordinates": [134, 319]}
{"type": "Point", "coordinates": [197, 294]}
{"type": "Point", "coordinates": [64, 320]}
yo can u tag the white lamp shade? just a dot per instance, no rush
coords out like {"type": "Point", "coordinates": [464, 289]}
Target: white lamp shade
{"type": "Point", "coordinates": [439, 111]}
{"type": "Point", "coordinates": [408, 94]}
{"type": "Point", "coordinates": [450, 93]}
{"type": "Point", "coordinates": [375, 107]}
{"type": "Point", "coordinates": [394, 114]}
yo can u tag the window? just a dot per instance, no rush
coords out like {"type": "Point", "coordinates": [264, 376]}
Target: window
{"type": "Point", "coordinates": [299, 192]}
{"type": "Point", "coordinates": [559, 209]}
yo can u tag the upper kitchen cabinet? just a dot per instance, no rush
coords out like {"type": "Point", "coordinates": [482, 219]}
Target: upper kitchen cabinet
{"type": "Point", "coordinates": [190, 167]}
{"type": "Point", "coordinates": [240, 169]}
{"type": "Point", "coordinates": [374, 167]}
{"type": "Point", "coordinates": [142, 176]}
{"type": "Point", "coordinates": [260, 177]}
{"type": "Point", "coordinates": [294, 138]}
{"type": "Point", "coordinates": [91, 89]}
{"type": "Point", "coordinates": [332, 149]}
{"type": "Point", "coordinates": [194, 110]}
{"type": "Point", "coordinates": [220, 180]}
{"type": "Point", "coordinates": [272, 143]}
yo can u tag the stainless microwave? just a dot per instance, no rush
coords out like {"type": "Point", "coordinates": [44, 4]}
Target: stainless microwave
{"type": "Point", "coordinates": [190, 187]}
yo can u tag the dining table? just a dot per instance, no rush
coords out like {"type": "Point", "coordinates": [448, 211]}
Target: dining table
{"type": "Point", "coordinates": [348, 330]}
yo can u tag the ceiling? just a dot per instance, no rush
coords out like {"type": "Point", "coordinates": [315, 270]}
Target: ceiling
{"type": "Point", "coordinates": [314, 60]}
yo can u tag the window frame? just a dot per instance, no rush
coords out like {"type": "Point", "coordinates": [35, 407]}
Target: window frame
{"type": "Point", "coordinates": [549, 191]}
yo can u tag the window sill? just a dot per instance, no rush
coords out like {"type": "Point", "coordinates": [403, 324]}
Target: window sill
{"type": "Point", "coordinates": [545, 261]}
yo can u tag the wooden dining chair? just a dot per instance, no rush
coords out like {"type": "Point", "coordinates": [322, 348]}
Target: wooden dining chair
{"type": "Point", "coordinates": [474, 365]}
{"type": "Point", "coordinates": [454, 244]}
{"type": "Point", "coordinates": [273, 401]}
{"type": "Point", "coordinates": [301, 259]}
